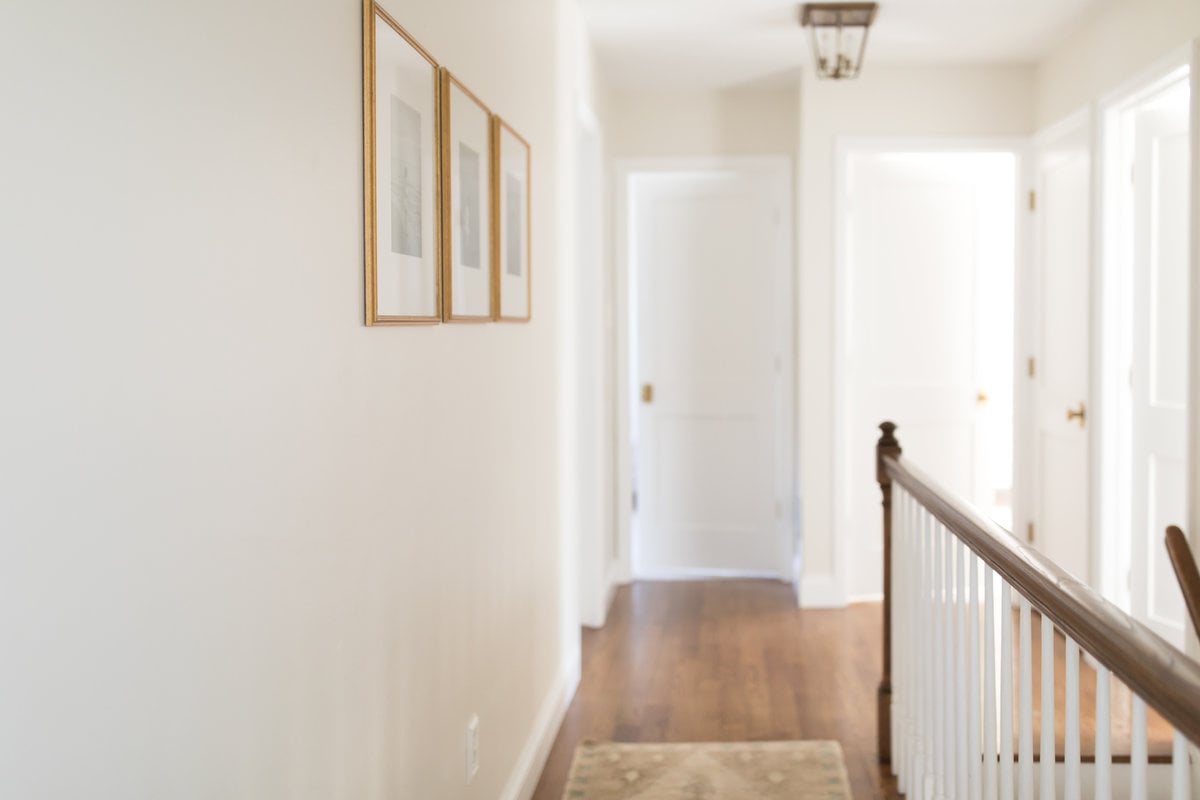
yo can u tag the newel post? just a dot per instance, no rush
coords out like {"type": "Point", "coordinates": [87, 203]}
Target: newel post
{"type": "Point", "coordinates": [886, 447]}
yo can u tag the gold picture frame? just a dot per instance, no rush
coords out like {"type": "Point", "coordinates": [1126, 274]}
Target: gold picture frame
{"type": "Point", "coordinates": [512, 246]}
{"type": "Point", "coordinates": [402, 280]}
{"type": "Point", "coordinates": [467, 218]}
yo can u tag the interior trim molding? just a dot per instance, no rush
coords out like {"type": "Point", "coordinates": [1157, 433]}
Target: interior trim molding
{"type": "Point", "coordinates": [528, 770]}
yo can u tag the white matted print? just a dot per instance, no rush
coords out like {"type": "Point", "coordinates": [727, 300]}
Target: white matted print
{"type": "Point", "coordinates": [403, 278]}
{"type": "Point", "coordinates": [511, 258]}
{"type": "Point", "coordinates": [467, 204]}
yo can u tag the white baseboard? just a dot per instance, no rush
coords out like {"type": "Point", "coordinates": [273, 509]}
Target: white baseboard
{"type": "Point", "coordinates": [869, 597]}
{"type": "Point", "coordinates": [821, 591]}
{"type": "Point", "coordinates": [532, 760]}
{"type": "Point", "coordinates": [696, 574]}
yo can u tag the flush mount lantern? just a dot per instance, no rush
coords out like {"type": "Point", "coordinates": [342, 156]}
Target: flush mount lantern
{"type": "Point", "coordinates": [839, 36]}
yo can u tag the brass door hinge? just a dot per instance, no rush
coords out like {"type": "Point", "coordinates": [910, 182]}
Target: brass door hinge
{"type": "Point", "coordinates": [1032, 200]}
{"type": "Point", "coordinates": [1029, 537]}
{"type": "Point", "coordinates": [1031, 366]}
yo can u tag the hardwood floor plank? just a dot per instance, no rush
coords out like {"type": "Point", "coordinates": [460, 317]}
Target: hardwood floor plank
{"type": "Point", "coordinates": [735, 660]}
{"type": "Point", "coordinates": [726, 661]}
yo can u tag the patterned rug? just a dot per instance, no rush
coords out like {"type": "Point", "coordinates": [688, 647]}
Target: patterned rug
{"type": "Point", "coordinates": [710, 771]}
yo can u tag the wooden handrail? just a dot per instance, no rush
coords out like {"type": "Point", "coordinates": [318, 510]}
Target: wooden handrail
{"type": "Point", "coordinates": [1186, 572]}
{"type": "Point", "coordinates": [1160, 674]}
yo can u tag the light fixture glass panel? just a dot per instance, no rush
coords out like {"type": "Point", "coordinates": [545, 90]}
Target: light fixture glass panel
{"type": "Point", "coordinates": [850, 50]}
{"type": "Point", "coordinates": [825, 43]}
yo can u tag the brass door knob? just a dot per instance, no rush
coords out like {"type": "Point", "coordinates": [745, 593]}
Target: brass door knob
{"type": "Point", "coordinates": [647, 393]}
{"type": "Point", "coordinates": [1077, 413]}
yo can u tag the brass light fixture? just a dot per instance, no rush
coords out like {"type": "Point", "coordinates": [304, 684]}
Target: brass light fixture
{"type": "Point", "coordinates": [839, 36]}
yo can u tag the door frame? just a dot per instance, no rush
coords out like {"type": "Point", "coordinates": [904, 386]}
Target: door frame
{"type": "Point", "coordinates": [1111, 495]}
{"type": "Point", "coordinates": [595, 580]}
{"type": "Point", "coordinates": [844, 148]}
{"type": "Point", "coordinates": [1079, 125]}
{"type": "Point", "coordinates": [1193, 640]}
{"type": "Point", "coordinates": [780, 170]}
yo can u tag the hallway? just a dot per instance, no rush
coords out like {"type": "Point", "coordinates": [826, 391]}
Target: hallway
{"type": "Point", "coordinates": [727, 661]}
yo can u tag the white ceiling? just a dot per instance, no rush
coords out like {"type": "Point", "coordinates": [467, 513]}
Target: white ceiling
{"type": "Point", "coordinates": [706, 44]}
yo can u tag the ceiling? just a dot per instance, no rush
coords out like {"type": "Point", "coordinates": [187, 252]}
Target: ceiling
{"type": "Point", "coordinates": [709, 44]}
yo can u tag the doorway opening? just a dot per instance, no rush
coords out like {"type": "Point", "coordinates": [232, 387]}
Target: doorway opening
{"type": "Point", "coordinates": [1144, 351]}
{"type": "Point", "coordinates": [706, 280]}
{"type": "Point", "coordinates": [926, 254]}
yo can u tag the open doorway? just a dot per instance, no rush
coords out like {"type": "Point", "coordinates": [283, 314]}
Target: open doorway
{"type": "Point", "coordinates": [1145, 351]}
{"type": "Point", "coordinates": [926, 249]}
{"type": "Point", "coordinates": [708, 259]}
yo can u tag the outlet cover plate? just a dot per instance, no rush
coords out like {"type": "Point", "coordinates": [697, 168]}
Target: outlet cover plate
{"type": "Point", "coordinates": [472, 747]}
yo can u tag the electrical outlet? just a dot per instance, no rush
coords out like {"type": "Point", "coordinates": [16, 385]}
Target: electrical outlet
{"type": "Point", "coordinates": [472, 747]}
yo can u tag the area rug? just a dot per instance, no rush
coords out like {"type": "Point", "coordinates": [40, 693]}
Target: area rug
{"type": "Point", "coordinates": [709, 771]}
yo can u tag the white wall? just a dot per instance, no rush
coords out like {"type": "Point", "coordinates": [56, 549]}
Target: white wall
{"type": "Point", "coordinates": [1113, 43]}
{"type": "Point", "coordinates": [586, 408]}
{"type": "Point", "coordinates": [697, 124]}
{"type": "Point", "coordinates": [886, 101]}
{"type": "Point", "coordinates": [251, 548]}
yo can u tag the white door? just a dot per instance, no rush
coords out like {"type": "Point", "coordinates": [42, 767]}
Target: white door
{"type": "Point", "coordinates": [928, 240]}
{"type": "Point", "coordinates": [710, 260]}
{"type": "Point", "coordinates": [1059, 365]}
{"type": "Point", "coordinates": [1161, 180]}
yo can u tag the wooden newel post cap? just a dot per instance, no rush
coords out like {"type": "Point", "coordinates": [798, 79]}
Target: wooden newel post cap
{"type": "Point", "coordinates": [888, 439]}
{"type": "Point", "coordinates": [887, 446]}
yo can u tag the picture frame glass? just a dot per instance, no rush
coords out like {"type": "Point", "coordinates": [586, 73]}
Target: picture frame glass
{"type": "Point", "coordinates": [513, 229]}
{"type": "Point", "coordinates": [406, 179]}
{"type": "Point", "coordinates": [470, 169]}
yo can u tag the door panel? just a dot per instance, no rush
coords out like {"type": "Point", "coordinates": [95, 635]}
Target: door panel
{"type": "Point", "coordinates": [707, 261]}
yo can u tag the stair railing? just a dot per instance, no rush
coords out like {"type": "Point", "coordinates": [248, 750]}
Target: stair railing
{"type": "Point", "coordinates": [954, 678]}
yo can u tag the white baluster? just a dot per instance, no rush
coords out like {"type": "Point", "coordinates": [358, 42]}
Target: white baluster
{"type": "Point", "coordinates": [974, 778]}
{"type": "Point", "coordinates": [960, 670]}
{"type": "Point", "coordinates": [908, 635]}
{"type": "Point", "coordinates": [927, 659]}
{"type": "Point", "coordinates": [948, 692]}
{"type": "Point", "coordinates": [1137, 751]}
{"type": "Point", "coordinates": [1006, 692]}
{"type": "Point", "coordinates": [1046, 770]}
{"type": "Point", "coordinates": [939, 664]}
{"type": "Point", "coordinates": [912, 766]}
{"type": "Point", "coordinates": [1025, 701]}
{"type": "Point", "coordinates": [896, 632]}
{"type": "Point", "coordinates": [1071, 753]}
{"type": "Point", "coordinates": [1103, 789]}
{"type": "Point", "coordinates": [1180, 778]}
{"type": "Point", "coordinates": [989, 684]}
{"type": "Point", "coordinates": [929, 743]}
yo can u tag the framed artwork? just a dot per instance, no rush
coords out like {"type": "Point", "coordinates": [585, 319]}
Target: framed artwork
{"type": "Point", "coordinates": [511, 260]}
{"type": "Point", "coordinates": [401, 188]}
{"type": "Point", "coordinates": [466, 204]}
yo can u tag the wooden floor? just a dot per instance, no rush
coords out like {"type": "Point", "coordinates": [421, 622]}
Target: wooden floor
{"type": "Point", "coordinates": [735, 661]}
{"type": "Point", "coordinates": [727, 661]}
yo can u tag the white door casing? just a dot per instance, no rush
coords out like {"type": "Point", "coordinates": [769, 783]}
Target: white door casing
{"type": "Point", "coordinates": [594, 453]}
{"type": "Point", "coordinates": [1158, 376]}
{"type": "Point", "coordinates": [1059, 374]}
{"type": "Point", "coordinates": [710, 256]}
